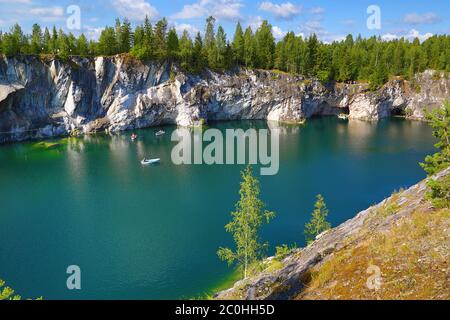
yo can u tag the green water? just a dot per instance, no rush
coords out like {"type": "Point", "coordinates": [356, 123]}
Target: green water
{"type": "Point", "coordinates": [152, 232]}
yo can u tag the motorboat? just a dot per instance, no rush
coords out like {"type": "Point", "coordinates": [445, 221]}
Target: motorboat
{"type": "Point", "coordinates": [145, 162]}
{"type": "Point", "coordinates": [160, 133]}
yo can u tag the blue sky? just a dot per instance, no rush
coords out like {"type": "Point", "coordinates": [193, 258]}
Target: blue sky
{"type": "Point", "coordinates": [330, 20]}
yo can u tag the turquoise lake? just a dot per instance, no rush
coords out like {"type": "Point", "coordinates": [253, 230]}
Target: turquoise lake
{"type": "Point", "coordinates": [152, 232]}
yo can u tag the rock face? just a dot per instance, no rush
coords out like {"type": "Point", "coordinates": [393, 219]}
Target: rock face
{"type": "Point", "coordinates": [44, 98]}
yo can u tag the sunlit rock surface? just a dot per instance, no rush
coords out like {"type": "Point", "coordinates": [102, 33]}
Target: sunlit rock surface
{"type": "Point", "coordinates": [43, 98]}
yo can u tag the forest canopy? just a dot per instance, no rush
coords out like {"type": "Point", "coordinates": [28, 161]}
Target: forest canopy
{"type": "Point", "coordinates": [360, 59]}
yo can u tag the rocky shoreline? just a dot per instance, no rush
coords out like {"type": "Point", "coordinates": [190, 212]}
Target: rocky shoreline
{"type": "Point", "coordinates": [41, 98]}
{"type": "Point", "coordinates": [354, 245]}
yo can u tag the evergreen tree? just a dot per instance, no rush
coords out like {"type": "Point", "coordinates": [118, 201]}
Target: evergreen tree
{"type": "Point", "coordinates": [82, 46]}
{"type": "Point", "coordinates": [13, 42]}
{"type": "Point", "coordinates": [247, 220]}
{"type": "Point", "coordinates": [265, 46]}
{"type": "Point", "coordinates": [439, 190]}
{"type": "Point", "coordinates": [249, 49]}
{"type": "Point", "coordinates": [124, 36]}
{"type": "Point", "coordinates": [318, 223]}
{"type": "Point", "coordinates": [107, 43]}
{"type": "Point", "coordinates": [198, 55]}
{"type": "Point", "coordinates": [54, 41]}
{"type": "Point", "coordinates": [311, 57]}
{"type": "Point", "coordinates": [160, 39]}
{"type": "Point", "coordinates": [220, 59]}
{"type": "Point", "coordinates": [46, 41]}
{"type": "Point", "coordinates": [370, 60]}
{"type": "Point", "coordinates": [239, 45]}
{"type": "Point", "coordinates": [209, 43]}
{"type": "Point", "coordinates": [36, 46]}
{"type": "Point", "coordinates": [186, 51]}
{"type": "Point", "coordinates": [173, 45]}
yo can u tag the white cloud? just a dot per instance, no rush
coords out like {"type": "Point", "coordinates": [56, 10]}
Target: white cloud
{"type": "Point", "coordinates": [410, 35]}
{"type": "Point", "coordinates": [92, 33]}
{"type": "Point", "coordinates": [278, 33]}
{"type": "Point", "coordinates": [315, 26]}
{"type": "Point", "coordinates": [221, 9]}
{"type": "Point", "coordinates": [15, 1]}
{"type": "Point", "coordinates": [389, 37]}
{"type": "Point", "coordinates": [426, 18]}
{"type": "Point", "coordinates": [47, 13]}
{"type": "Point", "coordinates": [285, 10]}
{"type": "Point", "coordinates": [254, 22]}
{"type": "Point", "coordinates": [192, 30]}
{"type": "Point", "coordinates": [136, 10]}
{"type": "Point", "coordinates": [317, 10]}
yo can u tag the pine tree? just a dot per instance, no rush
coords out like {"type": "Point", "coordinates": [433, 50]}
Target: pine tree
{"type": "Point", "coordinates": [160, 39]}
{"type": "Point", "coordinates": [245, 225]}
{"type": "Point", "coordinates": [186, 51]}
{"type": "Point", "coordinates": [318, 223]}
{"type": "Point", "coordinates": [265, 46]}
{"type": "Point", "coordinates": [239, 45]}
{"type": "Point", "coordinates": [249, 49]}
{"type": "Point", "coordinates": [82, 46]}
{"type": "Point", "coordinates": [198, 56]}
{"type": "Point", "coordinates": [148, 38]}
{"type": "Point", "coordinates": [209, 43]}
{"type": "Point", "coordinates": [220, 49]}
{"type": "Point", "coordinates": [439, 190]}
{"type": "Point", "coordinates": [124, 36]}
{"type": "Point", "coordinates": [107, 43]}
{"type": "Point", "coordinates": [36, 46]}
{"type": "Point", "coordinates": [173, 45]}
{"type": "Point", "coordinates": [46, 41]}
{"type": "Point", "coordinates": [311, 57]}
{"type": "Point", "coordinates": [139, 36]}
{"type": "Point", "coordinates": [64, 49]}
{"type": "Point", "coordinates": [54, 41]}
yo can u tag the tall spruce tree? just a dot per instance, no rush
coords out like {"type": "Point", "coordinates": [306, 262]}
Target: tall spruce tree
{"type": "Point", "coordinates": [318, 223]}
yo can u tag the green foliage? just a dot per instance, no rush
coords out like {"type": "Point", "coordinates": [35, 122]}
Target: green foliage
{"type": "Point", "coordinates": [283, 251]}
{"type": "Point", "coordinates": [238, 45]}
{"type": "Point", "coordinates": [371, 60]}
{"type": "Point", "coordinates": [245, 225]}
{"type": "Point", "coordinates": [107, 43]}
{"type": "Point", "coordinates": [173, 44]}
{"type": "Point", "coordinates": [318, 223]}
{"type": "Point", "coordinates": [439, 192]}
{"type": "Point", "coordinates": [439, 120]}
{"type": "Point", "coordinates": [7, 293]}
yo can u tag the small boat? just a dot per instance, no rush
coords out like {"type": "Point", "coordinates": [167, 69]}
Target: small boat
{"type": "Point", "coordinates": [160, 133]}
{"type": "Point", "coordinates": [133, 137]}
{"type": "Point", "coordinates": [145, 162]}
{"type": "Point", "coordinates": [343, 116]}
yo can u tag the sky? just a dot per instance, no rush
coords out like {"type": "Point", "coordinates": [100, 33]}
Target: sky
{"type": "Point", "coordinates": [329, 19]}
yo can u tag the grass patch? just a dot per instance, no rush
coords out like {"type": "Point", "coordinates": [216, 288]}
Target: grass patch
{"type": "Point", "coordinates": [412, 257]}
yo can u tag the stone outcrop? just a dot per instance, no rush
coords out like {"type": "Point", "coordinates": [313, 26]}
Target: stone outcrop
{"type": "Point", "coordinates": [42, 98]}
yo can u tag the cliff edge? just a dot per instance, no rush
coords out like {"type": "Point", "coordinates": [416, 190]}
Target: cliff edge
{"type": "Point", "coordinates": [397, 249]}
{"type": "Point", "coordinates": [42, 98]}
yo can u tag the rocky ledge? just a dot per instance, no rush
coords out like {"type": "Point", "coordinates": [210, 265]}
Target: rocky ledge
{"type": "Point", "coordinates": [47, 97]}
{"type": "Point", "coordinates": [403, 238]}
